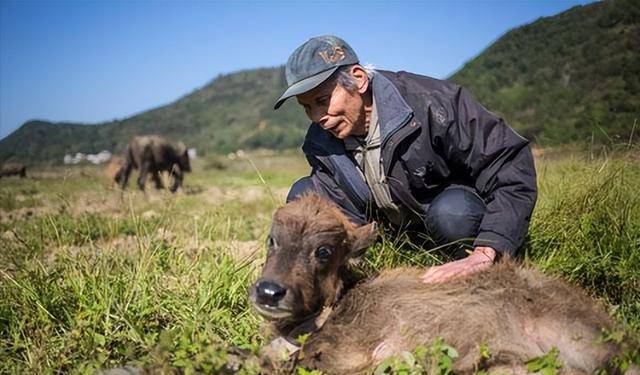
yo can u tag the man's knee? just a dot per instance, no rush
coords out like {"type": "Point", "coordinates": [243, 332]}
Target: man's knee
{"type": "Point", "coordinates": [303, 185]}
{"type": "Point", "coordinates": [455, 214]}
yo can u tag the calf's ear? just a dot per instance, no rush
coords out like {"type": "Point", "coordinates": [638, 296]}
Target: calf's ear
{"type": "Point", "coordinates": [361, 238]}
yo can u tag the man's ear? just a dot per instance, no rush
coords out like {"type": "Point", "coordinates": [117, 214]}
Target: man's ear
{"type": "Point", "coordinates": [361, 77]}
{"type": "Point", "coordinates": [362, 238]}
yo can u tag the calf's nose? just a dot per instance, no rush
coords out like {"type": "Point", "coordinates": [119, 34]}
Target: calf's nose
{"type": "Point", "coordinates": [269, 293]}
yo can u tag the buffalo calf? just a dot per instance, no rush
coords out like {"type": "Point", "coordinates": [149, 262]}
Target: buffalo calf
{"type": "Point", "coordinates": [518, 312]}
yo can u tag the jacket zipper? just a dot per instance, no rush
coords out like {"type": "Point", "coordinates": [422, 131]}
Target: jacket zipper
{"type": "Point", "coordinates": [401, 133]}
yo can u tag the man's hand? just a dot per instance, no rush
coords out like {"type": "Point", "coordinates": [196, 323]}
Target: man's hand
{"type": "Point", "coordinates": [481, 258]}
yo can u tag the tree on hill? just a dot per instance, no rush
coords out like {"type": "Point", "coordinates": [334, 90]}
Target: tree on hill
{"type": "Point", "coordinates": [565, 78]}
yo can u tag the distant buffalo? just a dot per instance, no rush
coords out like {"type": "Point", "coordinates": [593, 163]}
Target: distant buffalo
{"type": "Point", "coordinates": [152, 154]}
{"type": "Point", "coordinates": [13, 169]}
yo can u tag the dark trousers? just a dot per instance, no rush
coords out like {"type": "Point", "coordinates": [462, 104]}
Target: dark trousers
{"type": "Point", "coordinates": [453, 215]}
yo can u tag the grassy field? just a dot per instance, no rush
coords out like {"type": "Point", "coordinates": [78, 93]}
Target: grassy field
{"type": "Point", "coordinates": [91, 278]}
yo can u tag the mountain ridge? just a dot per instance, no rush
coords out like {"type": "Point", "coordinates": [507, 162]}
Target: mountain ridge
{"type": "Point", "coordinates": [572, 77]}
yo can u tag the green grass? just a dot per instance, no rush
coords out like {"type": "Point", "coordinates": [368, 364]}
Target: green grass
{"type": "Point", "coordinates": [92, 280]}
{"type": "Point", "coordinates": [586, 228]}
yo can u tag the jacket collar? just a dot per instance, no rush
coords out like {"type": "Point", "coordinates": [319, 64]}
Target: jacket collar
{"type": "Point", "coordinates": [393, 110]}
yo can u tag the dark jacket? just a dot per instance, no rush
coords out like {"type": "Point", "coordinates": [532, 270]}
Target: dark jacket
{"type": "Point", "coordinates": [434, 134]}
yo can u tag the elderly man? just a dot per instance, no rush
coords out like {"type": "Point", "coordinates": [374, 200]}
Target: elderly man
{"type": "Point", "coordinates": [416, 151]}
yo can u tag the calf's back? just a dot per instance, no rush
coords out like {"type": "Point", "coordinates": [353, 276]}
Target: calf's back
{"type": "Point", "coordinates": [517, 312]}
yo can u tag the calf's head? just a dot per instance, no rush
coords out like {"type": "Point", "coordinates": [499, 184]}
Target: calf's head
{"type": "Point", "coordinates": [310, 240]}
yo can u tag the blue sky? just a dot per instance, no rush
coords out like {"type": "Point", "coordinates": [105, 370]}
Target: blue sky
{"type": "Point", "coordinates": [95, 61]}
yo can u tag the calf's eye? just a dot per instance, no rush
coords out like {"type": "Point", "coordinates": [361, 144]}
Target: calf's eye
{"type": "Point", "coordinates": [322, 254]}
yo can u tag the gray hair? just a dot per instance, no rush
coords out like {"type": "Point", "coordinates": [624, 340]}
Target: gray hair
{"type": "Point", "coordinates": [343, 77]}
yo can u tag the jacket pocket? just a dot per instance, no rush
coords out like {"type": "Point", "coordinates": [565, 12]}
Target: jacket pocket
{"type": "Point", "coordinates": [423, 171]}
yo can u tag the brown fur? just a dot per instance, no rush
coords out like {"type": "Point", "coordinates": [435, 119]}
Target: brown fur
{"type": "Point", "coordinates": [152, 154]}
{"type": "Point", "coordinates": [13, 169]}
{"type": "Point", "coordinates": [518, 312]}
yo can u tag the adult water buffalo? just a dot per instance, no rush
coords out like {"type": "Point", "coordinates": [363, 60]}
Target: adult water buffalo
{"type": "Point", "coordinates": [13, 169]}
{"type": "Point", "coordinates": [152, 154]}
{"type": "Point", "coordinates": [517, 312]}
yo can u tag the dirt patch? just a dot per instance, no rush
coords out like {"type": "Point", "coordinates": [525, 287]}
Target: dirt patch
{"type": "Point", "coordinates": [109, 204]}
{"type": "Point", "coordinates": [248, 194]}
{"type": "Point", "coordinates": [21, 197]}
{"type": "Point", "coordinates": [195, 246]}
{"type": "Point", "coordinates": [192, 190]}
{"type": "Point", "coordinates": [67, 250]}
{"type": "Point", "coordinates": [165, 235]}
{"type": "Point", "coordinates": [240, 251]}
{"type": "Point", "coordinates": [122, 245]}
{"type": "Point", "coordinates": [149, 214]}
{"type": "Point", "coordinates": [252, 194]}
{"type": "Point", "coordinates": [22, 213]}
{"type": "Point", "coordinates": [10, 238]}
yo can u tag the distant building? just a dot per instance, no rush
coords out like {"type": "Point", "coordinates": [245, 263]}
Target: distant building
{"type": "Point", "coordinates": [192, 153]}
{"type": "Point", "coordinates": [99, 158]}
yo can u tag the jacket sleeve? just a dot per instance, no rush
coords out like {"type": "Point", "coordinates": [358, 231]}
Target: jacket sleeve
{"type": "Point", "coordinates": [481, 147]}
{"type": "Point", "coordinates": [327, 182]}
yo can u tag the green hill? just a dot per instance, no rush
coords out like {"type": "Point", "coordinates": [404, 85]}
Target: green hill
{"type": "Point", "coordinates": [233, 111]}
{"type": "Point", "coordinates": [571, 77]}
{"type": "Point", "coordinates": [565, 78]}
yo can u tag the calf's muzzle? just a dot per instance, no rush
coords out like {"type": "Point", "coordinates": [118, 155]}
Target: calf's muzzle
{"type": "Point", "coordinates": [269, 293]}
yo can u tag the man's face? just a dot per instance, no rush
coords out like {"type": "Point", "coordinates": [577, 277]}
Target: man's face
{"type": "Point", "coordinates": [338, 110]}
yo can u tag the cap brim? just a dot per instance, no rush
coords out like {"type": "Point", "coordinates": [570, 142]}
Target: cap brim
{"type": "Point", "coordinates": [305, 85]}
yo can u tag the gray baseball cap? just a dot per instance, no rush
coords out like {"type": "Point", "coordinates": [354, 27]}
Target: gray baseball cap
{"type": "Point", "coordinates": [313, 62]}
